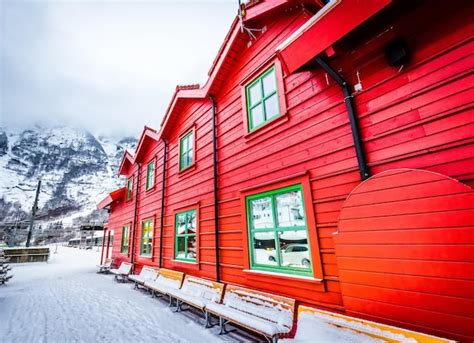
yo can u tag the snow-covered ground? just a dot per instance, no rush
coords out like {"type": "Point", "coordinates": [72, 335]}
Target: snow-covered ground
{"type": "Point", "coordinates": [65, 300]}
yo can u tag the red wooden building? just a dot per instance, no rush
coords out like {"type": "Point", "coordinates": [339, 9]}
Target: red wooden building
{"type": "Point", "coordinates": [328, 158]}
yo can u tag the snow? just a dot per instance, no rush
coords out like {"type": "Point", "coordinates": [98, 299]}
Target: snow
{"type": "Point", "coordinates": [65, 300]}
{"type": "Point", "coordinates": [312, 329]}
{"type": "Point", "coordinates": [201, 289]}
{"type": "Point", "coordinates": [17, 184]}
{"type": "Point", "coordinates": [318, 327]}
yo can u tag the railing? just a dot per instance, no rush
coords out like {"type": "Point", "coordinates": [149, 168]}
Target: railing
{"type": "Point", "coordinates": [22, 255]}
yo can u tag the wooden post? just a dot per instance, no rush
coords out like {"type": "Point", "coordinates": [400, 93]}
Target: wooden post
{"type": "Point", "coordinates": [108, 245]}
{"type": "Point", "coordinates": [102, 252]}
{"type": "Point", "coordinates": [33, 213]}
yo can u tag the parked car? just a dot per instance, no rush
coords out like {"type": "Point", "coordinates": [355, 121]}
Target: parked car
{"type": "Point", "coordinates": [294, 254]}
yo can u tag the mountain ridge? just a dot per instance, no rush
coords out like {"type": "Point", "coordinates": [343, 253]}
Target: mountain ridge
{"type": "Point", "coordinates": [77, 169]}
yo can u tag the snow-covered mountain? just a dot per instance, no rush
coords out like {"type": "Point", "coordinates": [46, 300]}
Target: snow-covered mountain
{"type": "Point", "coordinates": [76, 168]}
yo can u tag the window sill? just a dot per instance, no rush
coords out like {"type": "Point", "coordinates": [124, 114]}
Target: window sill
{"type": "Point", "coordinates": [145, 256]}
{"type": "Point", "coordinates": [149, 189]}
{"type": "Point", "coordinates": [268, 126]}
{"type": "Point", "coordinates": [186, 171]}
{"type": "Point", "coordinates": [260, 273]}
{"type": "Point", "coordinates": [184, 261]}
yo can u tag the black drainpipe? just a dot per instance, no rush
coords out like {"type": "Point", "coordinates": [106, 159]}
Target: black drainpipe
{"type": "Point", "coordinates": [216, 198]}
{"type": "Point", "coordinates": [135, 214]}
{"type": "Point", "coordinates": [162, 219]}
{"type": "Point", "coordinates": [346, 89]}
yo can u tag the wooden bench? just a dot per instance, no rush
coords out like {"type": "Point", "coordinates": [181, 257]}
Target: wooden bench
{"type": "Point", "coordinates": [167, 280]}
{"type": "Point", "coordinates": [105, 267]}
{"type": "Point", "coordinates": [310, 321]}
{"type": "Point", "coordinates": [197, 292]}
{"type": "Point", "coordinates": [267, 314]}
{"type": "Point", "coordinates": [5, 278]}
{"type": "Point", "coordinates": [122, 272]}
{"type": "Point", "coordinates": [146, 274]}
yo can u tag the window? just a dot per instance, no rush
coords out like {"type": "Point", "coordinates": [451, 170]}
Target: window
{"type": "Point", "coordinates": [129, 188]}
{"type": "Point", "coordinates": [262, 99]}
{"type": "Point", "coordinates": [125, 239]}
{"type": "Point", "coordinates": [278, 235]}
{"type": "Point", "coordinates": [185, 240]}
{"type": "Point", "coordinates": [147, 238]}
{"type": "Point", "coordinates": [150, 175]}
{"type": "Point", "coordinates": [186, 150]}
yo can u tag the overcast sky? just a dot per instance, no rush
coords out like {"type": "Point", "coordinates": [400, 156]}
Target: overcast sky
{"type": "Point", "coordinates": [108, 66]}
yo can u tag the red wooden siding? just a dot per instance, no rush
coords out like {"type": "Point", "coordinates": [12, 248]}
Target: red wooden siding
{"type": "Point", "coordinates": [191, 188]}
{"type": "Point", "coordinates": [419, 227]}
{"type": "Point", "coordinates": [419, 116]}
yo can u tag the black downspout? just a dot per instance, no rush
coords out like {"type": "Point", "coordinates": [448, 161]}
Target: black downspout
{"type": "Point", "coordinates": [216, 198]}
{"type": "Point", "coordinates": [132, 260]}
{"type": "Point", "coordinates": [346, 89]}
{"type": "Point", "coordinates": [162, 219]}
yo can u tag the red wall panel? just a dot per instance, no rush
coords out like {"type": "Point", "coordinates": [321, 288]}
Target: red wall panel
{"type": "Point", "coordinates": [430, 243]}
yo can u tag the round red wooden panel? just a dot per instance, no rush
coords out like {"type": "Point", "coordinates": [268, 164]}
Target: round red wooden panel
{"type": "Point", "coordinates": [404, 248]}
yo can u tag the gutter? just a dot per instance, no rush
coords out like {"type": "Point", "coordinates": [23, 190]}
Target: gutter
{"type": "Point", "coordinates": [135, 214]}
{"type": "Point", "coordinates": [348, 99]}
{"type": "Point", "coordinates": [163, 183]}
{"type": "Point", "coordinates": [216, 197]}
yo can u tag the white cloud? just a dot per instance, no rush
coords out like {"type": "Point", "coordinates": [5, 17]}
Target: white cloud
{"type": "Point", "coordinates": [105, 65]}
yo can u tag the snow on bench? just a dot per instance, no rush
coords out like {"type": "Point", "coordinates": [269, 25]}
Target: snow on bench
{"type": "Point", "coordinates": [267, 314]}
{"type": "Point", "coordinates": [105, 267]}
{"type": "Point", "coordinates": [5, 278]}
{"type": "Point", "coordinates": [123, 271]}
{"type": "Point", "coordinates": [329, 326]}
{"type": "Point", "coordinates": [167, 280]}
{"type": "Point", "coordinates": [198, 293]}
{"type": "Point", "coordinates": [146, 274]}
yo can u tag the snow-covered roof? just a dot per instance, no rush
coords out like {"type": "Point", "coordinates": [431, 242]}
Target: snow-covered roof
{"type": "Point", "coordinates": [111, 197]}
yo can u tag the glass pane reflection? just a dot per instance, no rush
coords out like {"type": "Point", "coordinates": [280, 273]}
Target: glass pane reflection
{"type": "Point", "coordinates": [294, 249]}
{"type": "Point", "coordinates": [262, 217]}
{"type": "Point", "coordinates": [290, 209]}
{"type": "Point", "coordinates": [264, 248]}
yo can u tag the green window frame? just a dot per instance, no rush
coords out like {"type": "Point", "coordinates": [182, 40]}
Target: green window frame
{"type": "Point", "coordinates": [262, 99]}
{"type": "Point", "coordinates": [185, 248]}
{"type": "Point", "coordinates": [186, 150]}
{"type": "Point", "coordinates": [129, 188]}
{"type": "Point", "coordinates": [125, 239]}
{"type": "Point", "coordinates": [146, 243]}
{"type": "Point", "coordinates": [278, 231]}
{"type": "Point", "coordinates": [150, 175]}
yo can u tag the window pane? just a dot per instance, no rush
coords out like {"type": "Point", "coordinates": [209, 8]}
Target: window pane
{"type": "Point", "coordinates": [257, 115]}
{"type": "Point", "coordinates": [294, 249]}
{"type": "Point", "coordinates": [262, 217]}
{"type": "Point", "coordinates": [150, 175]}
{"type": "Point", "coordinates": [290, 210]}
{"type": "Point", "coordinates": [191, 247]}
{"type": "Point", "coordinates": [191, 218]}
{"type": "Point", "coordinates": [264, 248]}
{"type": "Point", "coordinates": [189, 158]}
{"type": "Point", "coordinates": [180, 224]}
{"type": "Point", "coordinates": [255, 93]}
{"type": "Point", "coordinates": [269, 83]}
{"type": "Point", "coordinates": [272, 108]}
{"type": "Point", "coordinates": [180, 247]}
{"type": "Point", "coordinates": [189, 141]}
